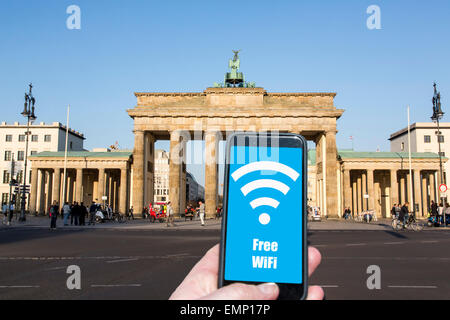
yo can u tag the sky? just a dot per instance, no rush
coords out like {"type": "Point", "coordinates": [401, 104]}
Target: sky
{"type": "Point", "coordinates": [129, 46]}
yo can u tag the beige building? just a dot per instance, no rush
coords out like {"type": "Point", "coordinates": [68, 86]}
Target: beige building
{"type": "Point", "coordinates": [424, 138]}
{"type": "Point", "coordinates": [102, 177]}
{"type": "Point", "coordinates": [378, 180]}
{"type": "Point", "coordinates": [43, 137]}
{"type": "Point", "coordinates": [161, 179]}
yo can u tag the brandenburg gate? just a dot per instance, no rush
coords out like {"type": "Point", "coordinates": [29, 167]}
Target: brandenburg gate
{"type": "Point", "coordinates": [211, 116]}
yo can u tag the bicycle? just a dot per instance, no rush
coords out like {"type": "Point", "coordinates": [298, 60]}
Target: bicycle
{"type": "Point", "coordinates": [411, 224]}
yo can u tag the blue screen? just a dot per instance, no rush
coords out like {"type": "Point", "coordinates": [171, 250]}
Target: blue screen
{"type": "Point", "coordinates": [264, 216]}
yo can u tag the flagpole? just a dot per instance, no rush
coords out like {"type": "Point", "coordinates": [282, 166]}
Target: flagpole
{"type": "Point", "coordinates": [410, 165]}
{"type": "Point", "coordinates": [65, 156]}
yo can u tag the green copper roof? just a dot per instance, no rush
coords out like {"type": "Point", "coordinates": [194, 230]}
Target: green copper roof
{"type": "Point", "coordinates": [386, 155]}
{"type": "Point", "coordinates": [348, 154]}
{"type": "Point", "coordinates": [84, 154]}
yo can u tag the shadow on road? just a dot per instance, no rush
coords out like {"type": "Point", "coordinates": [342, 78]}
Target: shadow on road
{"type": "Point", "coordinates": [396, 234]}
{"type": "Point", "coordinates": [12, 235]}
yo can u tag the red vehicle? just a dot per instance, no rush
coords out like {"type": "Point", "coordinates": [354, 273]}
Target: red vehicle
{"type": "Point", "coordinates": [157, 215]}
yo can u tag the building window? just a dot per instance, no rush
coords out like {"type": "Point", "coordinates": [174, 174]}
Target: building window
{"type": "Point", "coordinates": [6, 176]}
{"type": "Point", "coordinates": [20, 176]}
{"type": "Point", "coordinates": [33, 152]}
{"type": "Point", "coordinates": [7, 155]}
{"type": "Point", "coordinates": [442, 154]}
{"type": "Point", "coordinates": [34, 138]}
{"type": "Point", "coordinates": [71, 145]}
{"type": "Point", "coordinates": [20, 155]}
{"type": "Point", "coordinates": [441, 139]}
{"type": "Point", "coordinates": [8, 138]}
{"type": "Point", "coordinates": [427, 139]}
{"type": "Point", "coordinates": [47, 138]}
{"type": "Point", "coordinates": [5, 198]}
{"type": "Point", "coordinates": [21, 138]}
{"type": "Point", "coordinates": [402, 146]}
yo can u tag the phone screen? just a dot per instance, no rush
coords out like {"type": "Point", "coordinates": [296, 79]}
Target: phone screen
{"type": "Point", "coordinates": [264, 236]}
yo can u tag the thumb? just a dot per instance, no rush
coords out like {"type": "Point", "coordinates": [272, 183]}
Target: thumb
{"type": "Point", "coordinates": [240, 291]}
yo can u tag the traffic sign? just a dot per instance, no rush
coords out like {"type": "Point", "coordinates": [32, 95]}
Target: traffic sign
{"type": "Point", "coordinates": [443, 188]}
{"type": "Point", "coordinates": [19, 189]}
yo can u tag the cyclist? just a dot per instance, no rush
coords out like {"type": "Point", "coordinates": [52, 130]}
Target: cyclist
{"type": "Point", "coordinates": [404, 213]}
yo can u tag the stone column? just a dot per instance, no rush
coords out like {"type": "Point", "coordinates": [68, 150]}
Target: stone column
{"type": "Point", "coordinates": [123, 191]}
{"type": "Point", "coordinates": [48, 198]}
{"type": "Point", "coordinates": [101, 185]}
{"type": "Point", "coordinates": [56, 185]}
{"type": "Point", "coordinates": [358, 193]}
{"type": "Point", "coordinates": [370, 189]}
{"type": "Point", "coordinates": [149, 196]}
{"type": "Point", "coordinates": [138, 172]}
{"type": "Point", "coordinates": [364, 191]}
{"type": "Point", "coordinates": [79, 186]}
{"type": "Point", "coordinates": [417, 192]}
{"type": "Point", "coordinates": [377, 192]}
{"type": "Point", "coordinates": [347, 189]}
{"type": "Point", "coordinates": [34, 189]}
{"type": "Point", "coordinates": [355, 196]}
{"type": "Point", "coordinates": [424, 194]}
{"type": "Point", "coordinates": [175, 166]}
{"type": "Point", "coordinates": [211, 172]}
{"type": "Point", "coordinates": [41, 192]}
{"type": "Point", "coordinates": [331, 175]}
{"type": "Point", "coordinates": [394, 187]}
{"type": "Point", "coordinates": [432, 187]}
{"type": "Point", "coordinates": [402, 189]}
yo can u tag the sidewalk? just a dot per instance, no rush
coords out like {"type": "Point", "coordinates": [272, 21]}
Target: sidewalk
{"type": "Point", "coordinates": [211, 224]}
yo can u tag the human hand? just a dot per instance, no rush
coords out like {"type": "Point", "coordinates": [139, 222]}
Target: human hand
{"type": "Point", "coordinates": [201, 282]}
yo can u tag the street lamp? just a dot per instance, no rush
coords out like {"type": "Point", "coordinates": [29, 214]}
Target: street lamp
{"type": "Point", "coordinates": [28, 112]}
{"type": "Point", "coordinates": [437, 115]}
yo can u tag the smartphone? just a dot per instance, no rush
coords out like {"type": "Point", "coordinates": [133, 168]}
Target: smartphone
{"type": "Point", "coordinates": [264, 231]}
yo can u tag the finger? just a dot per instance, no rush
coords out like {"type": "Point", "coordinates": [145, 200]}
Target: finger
{"type": "Point", "coordinates": [240, 291]}
{"type": "Point", "coordinates": [315, 293]}
{"type": "Point", "coordinates": [314, 258]}
{"type": "Point", "coordinates": [202, 279]}
{"type": "Point", "coordinates": [209, 262]}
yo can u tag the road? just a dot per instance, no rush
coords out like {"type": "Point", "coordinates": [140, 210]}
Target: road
{"type": "Point", "coordinates": [149, 264]}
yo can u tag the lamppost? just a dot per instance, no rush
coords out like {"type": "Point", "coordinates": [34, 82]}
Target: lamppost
{"type": "Point", "coordinates": [437, 115]}
{"type": "Point", "coordinates": [28, 112]}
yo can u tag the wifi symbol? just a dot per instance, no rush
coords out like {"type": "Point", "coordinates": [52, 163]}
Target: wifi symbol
{"type": "Point", "coordinates": [264, 218]}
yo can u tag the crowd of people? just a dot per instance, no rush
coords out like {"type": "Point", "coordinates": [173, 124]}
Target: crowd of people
{"type": "Point", "coordinates": [77, 214]}
{"type": "Point", "coordinates": [165, 212]}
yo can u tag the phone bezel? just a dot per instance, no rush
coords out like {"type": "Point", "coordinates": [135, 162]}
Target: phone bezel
{"type": "Point", "coordinates": [286, 140]}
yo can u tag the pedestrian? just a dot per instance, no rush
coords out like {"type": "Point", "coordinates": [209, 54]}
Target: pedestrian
{"type": "Point", "coordinates": [433, 209]}
{"type": "Point", "coordinates": [131, 216]}
{"type": "Point", "coordinates": [446, 214]}
{"type": "Point", "coordinates": [404, 213]}
{"type": "Point", "coordinates": [393, 210]}
{"type": "Point", "coordinates": [76, 213]}
{"type": "Point", "coordinates": [5, 212]}
{"type": "Point", "coordinates": [66, 212]}
{"type": "Point", "coordinates": [83, 212]}
{"type": "Point", "coordinates": [201, 212]}
{"type": "Point", "coordinates": [53, 212]}
{"type": "Point", "coordinates": [109, 212]}
{"type": "Point", "coordinates": [144, 212]}
{"type": "Point", "coordinates": [169, 215]}
{"type": "Point", "coordinates": [11, 212]}
{"type": "Point", "coordinates": [92, 211]}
